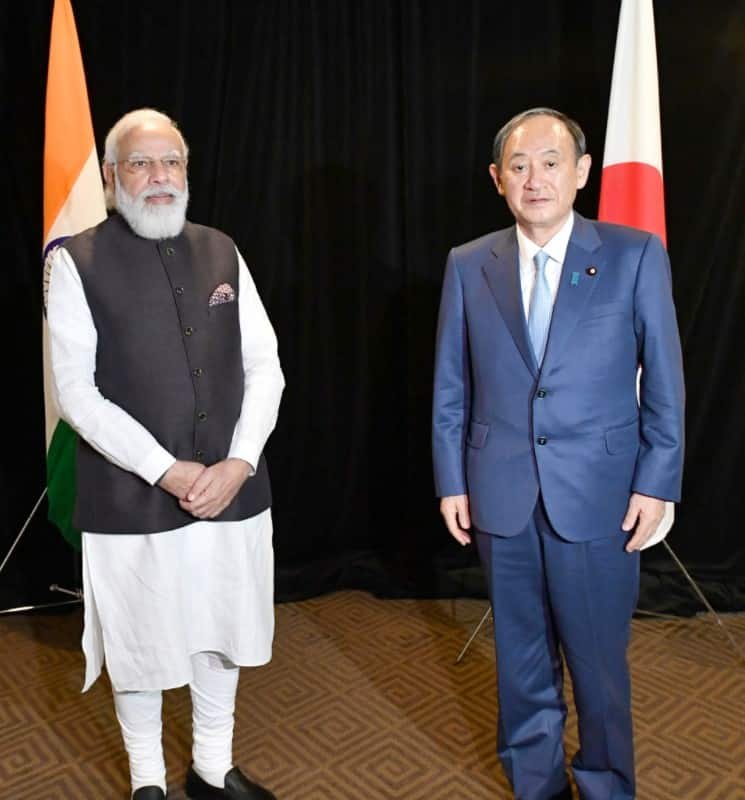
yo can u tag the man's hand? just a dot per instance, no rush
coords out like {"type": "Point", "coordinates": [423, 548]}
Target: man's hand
{"type": "Point", "coordinates": [644, 513]}
{"type": "Point", "coordinates": [454, 509]}
{"type": "Point", "coordinates": [180, 478]}
{"type": "Point", "coordinates": [215, 488]}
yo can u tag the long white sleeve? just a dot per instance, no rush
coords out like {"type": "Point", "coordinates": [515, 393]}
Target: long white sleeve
{"type": "Point", "coordinates": [263, 379]}
{"type": "Point", "coordinates": [104, 425]}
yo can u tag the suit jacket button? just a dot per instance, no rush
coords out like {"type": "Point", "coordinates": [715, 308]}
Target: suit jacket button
{"type": "Point", "coordinates": [198, 372]}
{"type": "Point", "coordinates": [179, 290]}
{"type": "Point", "coordinates": [541, 440]}
{"type": "Point", "coordinates": [541, 393]}
{"type": "Point", "coordinates": [198, 455]}
{"type": "Point", "coordinates": [188, 331]}
{"type": "Point", "coordinates": [170, 251]}
{"type": "Point", "coordinates": [202, 416]}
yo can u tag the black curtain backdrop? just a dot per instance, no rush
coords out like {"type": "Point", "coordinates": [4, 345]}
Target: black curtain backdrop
{"type": "Point", "coordinates": [344, 146]}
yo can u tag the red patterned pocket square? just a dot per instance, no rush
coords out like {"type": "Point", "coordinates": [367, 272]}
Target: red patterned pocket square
{"type": "Point", "coordinates": [223, 294]}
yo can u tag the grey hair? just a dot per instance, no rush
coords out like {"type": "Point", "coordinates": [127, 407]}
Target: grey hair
{"type": "Point", "coordinates": [131, 120]}
{"type": "Point", "coordinates": [580, 144]}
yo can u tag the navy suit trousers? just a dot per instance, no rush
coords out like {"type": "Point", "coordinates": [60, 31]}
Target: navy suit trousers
{"type": "Point", "coordinates": [553, 598]}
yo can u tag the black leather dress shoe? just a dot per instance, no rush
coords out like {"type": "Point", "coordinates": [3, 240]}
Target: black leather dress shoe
{"type": "Point", "coordinates": [149, 793]}
{"type": "Point", "coordinates": [237, 787]}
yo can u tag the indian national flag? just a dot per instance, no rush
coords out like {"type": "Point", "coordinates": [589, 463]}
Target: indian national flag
{"type": "Point", "coordinates": [631, 187]}
{"type": "Point", "coordinates": [73, 201]}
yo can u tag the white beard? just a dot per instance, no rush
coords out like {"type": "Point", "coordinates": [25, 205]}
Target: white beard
{"type": "Point", "coordinates": [149, 220]}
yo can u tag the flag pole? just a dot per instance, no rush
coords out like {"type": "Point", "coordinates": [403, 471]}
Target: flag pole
{"type": "Point", "coordinates": [632, 189]}
{"type": "Point", "coordinates": [73, 201]}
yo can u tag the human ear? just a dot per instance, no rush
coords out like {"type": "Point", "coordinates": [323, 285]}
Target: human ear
{"type": "Point", "coordinates": [108, 174]}
{"type": "Point", "coordinates": [494, 172]}
{"type": "Point", "coordinates": [583, 169]}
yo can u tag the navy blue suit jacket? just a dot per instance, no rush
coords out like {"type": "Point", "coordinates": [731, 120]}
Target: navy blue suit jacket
{"type": "Point", "coordinates": [503, 429]}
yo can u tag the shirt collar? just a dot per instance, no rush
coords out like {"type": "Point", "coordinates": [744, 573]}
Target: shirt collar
{"type": "Point", "coordinates": [556, 247]}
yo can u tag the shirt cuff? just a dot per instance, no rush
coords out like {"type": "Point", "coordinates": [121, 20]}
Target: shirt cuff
{"type": "Point", "coordinates": [155, 465]}
{"type": "Point", "coordinates": [248, 453]}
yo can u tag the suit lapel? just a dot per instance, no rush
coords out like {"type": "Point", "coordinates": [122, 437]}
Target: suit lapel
{"type": "Point", "coordinates": [577, 284]}
{"type": "Point", "coordinates": [502, 274]}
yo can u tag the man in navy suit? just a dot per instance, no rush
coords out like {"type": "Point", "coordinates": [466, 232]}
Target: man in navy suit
{"type": "Point", "coordinates": [544, 451]}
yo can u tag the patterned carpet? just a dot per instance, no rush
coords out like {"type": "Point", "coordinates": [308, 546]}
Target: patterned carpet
{"type": "Point", "coordinates": [363, 701]}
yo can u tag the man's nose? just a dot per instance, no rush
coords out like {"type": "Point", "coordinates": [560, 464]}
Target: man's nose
{"type": "Point", "coordinates": [534, 178]}
{"type": "Point", "coordinates": [158, 173]}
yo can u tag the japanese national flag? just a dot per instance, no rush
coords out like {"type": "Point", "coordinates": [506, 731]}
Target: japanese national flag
{"type": "Point", "coordinates": [631, 188]}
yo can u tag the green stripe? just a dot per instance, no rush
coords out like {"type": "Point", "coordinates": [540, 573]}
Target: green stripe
{"type": "Point", "coordinates": [61, 481]}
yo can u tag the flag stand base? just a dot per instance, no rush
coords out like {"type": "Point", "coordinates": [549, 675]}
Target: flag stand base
{"type": "Point", "coordinates": [694, 586]}
{"type": "Point", "coordinates": [76, 593]}
{"type": "Point", "coordinates": [23, 609]}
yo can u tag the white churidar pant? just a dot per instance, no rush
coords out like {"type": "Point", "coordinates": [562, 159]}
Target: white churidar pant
{"type": "Point", "coordinates": [213, 691]}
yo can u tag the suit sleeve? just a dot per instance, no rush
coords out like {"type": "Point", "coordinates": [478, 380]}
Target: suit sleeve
{"type": "Point", "coordinates": [659, 466]}
{"type": "Point", "coordinates": [451, 397]}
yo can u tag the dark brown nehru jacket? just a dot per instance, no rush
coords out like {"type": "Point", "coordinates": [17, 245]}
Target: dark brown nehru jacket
{"type": "Point", "coordinates": [169, 359]}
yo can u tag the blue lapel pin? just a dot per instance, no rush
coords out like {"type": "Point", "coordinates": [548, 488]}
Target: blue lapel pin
{"type": "Point", "coordinates": [575, 278]}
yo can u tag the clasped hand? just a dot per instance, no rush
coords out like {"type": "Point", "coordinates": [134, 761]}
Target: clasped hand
{"type": "Point", "coordinates": [205, 492]}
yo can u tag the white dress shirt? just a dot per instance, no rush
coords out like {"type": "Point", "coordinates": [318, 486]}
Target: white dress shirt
{"type": "Point", "coordinates": [555, 248]}
{"type": "Point", "coordinates": [153, 600]}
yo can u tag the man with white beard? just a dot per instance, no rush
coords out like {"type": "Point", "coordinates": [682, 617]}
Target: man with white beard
{"type": "Point", "coordinates": [165, 363]}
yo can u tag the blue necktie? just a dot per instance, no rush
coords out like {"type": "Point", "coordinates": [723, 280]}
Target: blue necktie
{"type": "Point", "coordinates": [541, 306]}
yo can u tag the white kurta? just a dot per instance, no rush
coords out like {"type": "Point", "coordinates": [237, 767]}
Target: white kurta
{"type": "Point", "coordinates": [152, 600]}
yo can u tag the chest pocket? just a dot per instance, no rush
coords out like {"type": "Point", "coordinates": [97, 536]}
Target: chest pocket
{"type": "Point", "coordinates": [600, 310]}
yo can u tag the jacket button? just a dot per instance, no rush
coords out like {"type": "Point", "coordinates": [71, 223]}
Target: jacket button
{"type": "Point", "coordinates": [198, 372]}
{"type": "Point", "coordinates": [541, 440]}
{"type": "Point", "coordinates": [188, 331]}
{"type": "Point", "coordinates": [541, 393]}
{"type": "Point", "coordinates": [202, 416]}
{"type": "Point", "coordinates": [198, 455]}
{"type": "Point", "coordinates": [179, 290]}
{"type": "Point", "coordinates": [170, 251]}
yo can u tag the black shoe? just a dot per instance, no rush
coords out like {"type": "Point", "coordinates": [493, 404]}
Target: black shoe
{"type": "Point", "coordinates": [149, 793]}
{"type": "Point", "coordinates": [237, 787]}
{"type": "Point", "coordinates": [565, 794]}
